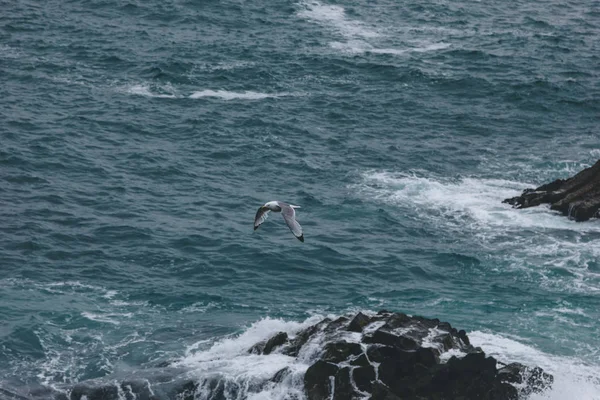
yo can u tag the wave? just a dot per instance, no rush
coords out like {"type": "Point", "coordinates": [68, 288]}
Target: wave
{"type": "Point", "coordinates": [245, 374]}
{"type": "Point", "coordinates": [359, 47]}
{"type": "Point", "coordinates": [228, 360]}
{"type": "Point", "coordinates": [536, 239]}
{"type": "Point", "coordinates": [478, 199]}
{"type": "Point", "coordinates": [334, 17]}
{"type": "Point", "coordinates": [168, 92]}
{"type": "Point", "coordinates": [226, 95]}
{"type": "Point", "coordinates": [573, 379]}
{"type": "Point", "coordinates": [146, 91]}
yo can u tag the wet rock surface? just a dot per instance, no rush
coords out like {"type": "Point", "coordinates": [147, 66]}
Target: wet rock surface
{"type": "Point", "coordinates": [577, 197]}
{"type": "Point", "coordinates": [383, 356]}
{"type": "Point", "coordinates": [392, 356]}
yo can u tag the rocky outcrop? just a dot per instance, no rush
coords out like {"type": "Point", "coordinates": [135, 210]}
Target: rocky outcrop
{"type": "Point", "coordinates": [392, 356]}
{"type": "Point", "coordinates": [383, 356]}
{"type": "Point", "coordinates": [577, 197]}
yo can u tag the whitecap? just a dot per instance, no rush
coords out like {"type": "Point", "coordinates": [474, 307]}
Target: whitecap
{"type": "Point", "coordinates": [473, 207]}
{"type": "Point", "coordinates": [359, 46]}
{"type": "Point", "coordinates": [334, 16]}
{"type": "Point", "coordinates": [226, 95]}
{"type": "Point", "coordinates": [478, 199]}
{"type": "Point", "coordinates": [105, 318]}
{"type": "Point", "coordinates": [228, 360]}
{"type": "Point", "coordinates": [144, 90]}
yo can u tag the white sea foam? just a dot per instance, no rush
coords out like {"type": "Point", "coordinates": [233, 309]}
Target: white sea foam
{"type": "Point", "coordinates": [227, 95]}
{"type": "Point", "coordinates": [360, 46]}
{"type": "Point", "coordinates": [333, 16]}
{"type": "Point", "coordinates": [225, 66]}
{"type": "Point", "coordinates": [475, 198]}
{"type": "Point", "coordinates": [229, 361]}
{"type": "Point", "coordinates": [244, 374]}
{"type": "Point", "coordinates": [474, 205]}
{"type": "Point", "coordinates": [145, 90]}
{"type": "Point", "coordinates": [572, 378]}
{"type": "Point", "coordinates": [108, 318]}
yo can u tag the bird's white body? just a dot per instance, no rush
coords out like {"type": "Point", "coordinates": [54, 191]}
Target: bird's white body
{"type": "Point", "coordinates": [289, 216]}
{"type": "Point", "coordinates": [274, 206]}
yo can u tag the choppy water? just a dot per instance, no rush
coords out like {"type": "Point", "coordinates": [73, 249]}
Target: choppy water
{"type": "Point", "coordinates": [139, 138]}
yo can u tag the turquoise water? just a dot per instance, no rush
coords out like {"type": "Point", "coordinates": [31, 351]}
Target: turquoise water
{"type": "Point", "coordinates": [139, 138]}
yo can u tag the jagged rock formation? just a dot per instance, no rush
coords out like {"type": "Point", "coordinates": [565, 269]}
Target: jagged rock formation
{"type": "Point", "coordinates": [383, 356]}
{"type": "Point", "coordinates": [577, 197]}
{"type": "Point", "coordinates": [391, 356]}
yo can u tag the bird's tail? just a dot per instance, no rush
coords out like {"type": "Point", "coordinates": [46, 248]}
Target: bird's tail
{"type": "Point", "coordinates": [294, 206]}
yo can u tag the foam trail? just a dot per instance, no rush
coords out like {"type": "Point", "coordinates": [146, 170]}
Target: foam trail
{"type": "Point", "coordinates": [144, 90]}
{"type": "Point", "coordinates": [475, 198]}
{"type": "Point", "coordinates": [572, 378]}
{"type": "Point", "coordinates": [226, 95]}
{"type": "Point", "coordinates": [535, 239]}
{"type": "Point", "coordinates": [335, 17]}
{"type": "Point", "coordinates": [359, 47]}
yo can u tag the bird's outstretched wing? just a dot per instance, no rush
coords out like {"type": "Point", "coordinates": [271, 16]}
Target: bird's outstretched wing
{"type": "Point", "coordinates": [289, 215]}
{"type": "Point", "coordinates": [261, 216]}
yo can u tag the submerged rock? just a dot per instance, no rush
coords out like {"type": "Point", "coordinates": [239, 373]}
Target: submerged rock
{"type": "Point", "coordinates": [577, 197]}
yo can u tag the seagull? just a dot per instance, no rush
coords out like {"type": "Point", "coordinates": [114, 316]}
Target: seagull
{"type": "Point", "coordinates": [286, 210]}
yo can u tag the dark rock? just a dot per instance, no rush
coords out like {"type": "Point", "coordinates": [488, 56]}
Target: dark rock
{"type": "Point", "coordinates": [393, 370]}
{"type": "Point", "coordinates": [389, 339]}
{"type": "Point", "coordinates": [137, 389]}
{"type": "Point", "coordinates": [343, 389]}
{"type": "Point", "coordinates": [577, 197]}
{"type": "Point", "coordinates": [382, 392]}
{"type": "Point", "coordinates": [336, 325]}
{"type": "Point", "coordinates": [463, 336]}
{"type": "Point", "coordinates": [473, 377]}
{"type": "Point", "coordinates": [257, 348]}
{"type": "Point", "coordinates": [398, 320]}
{"type": "Point", "coordinates": [302, 337]}
{"type": "Point", "coordinates": [316, 380]}
{"type": "Point", "coordinates": [379, 354]}
{"type": "Point", "coordinates": [364, 377]}
{"type": "Point", "coordinates": [427, 356]}
{"type": "Point", "coordinates": [267, 346]}
{"type": "Point", "coordinates": [473, 363]}
{"type": "Point", "coordinates": [397, 353]}
{"type": "Point", "coordinates": [511, 373]}
{"type": "Point", "coordinates": [104, 392]}
{"type": "Point", "coordinates": [535, 379]}
{"type": "Point", "coordinates": [358, 322]}
{"type": "Point", "coordinates": [446, 342]}
{"type": "Point", "coordinates": [280, 375]}
{"type": "Point", "coordinates": [340, 351]}
{"type": "Point", "coordinates": [361, 361]}
{"type": "Point", "coordinates": [275, 341]}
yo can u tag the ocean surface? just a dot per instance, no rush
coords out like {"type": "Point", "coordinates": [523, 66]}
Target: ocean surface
{"type": "Point", "coordinates": [138, 139]}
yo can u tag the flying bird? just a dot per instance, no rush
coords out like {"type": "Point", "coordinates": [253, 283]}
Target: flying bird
{"type": "Point", "coordinates": [288, 213]}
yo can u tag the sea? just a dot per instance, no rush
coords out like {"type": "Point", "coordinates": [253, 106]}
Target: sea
{"type": "Point", "coordinates": [138, 139]}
